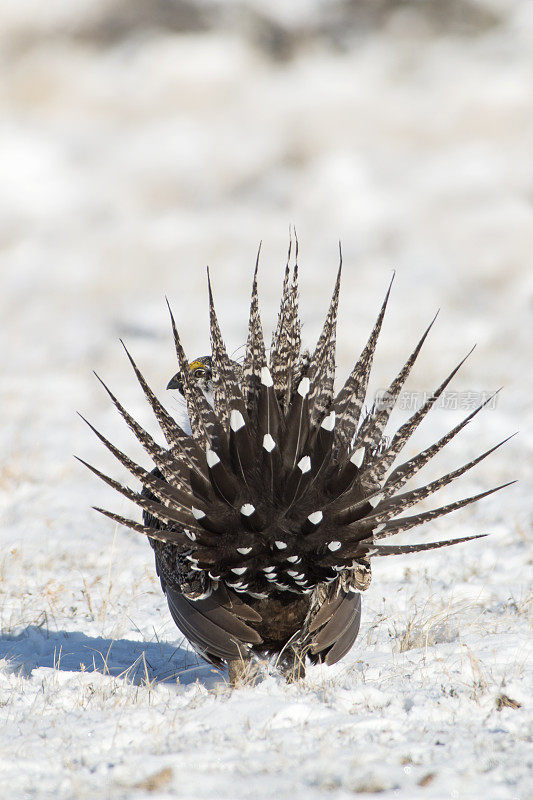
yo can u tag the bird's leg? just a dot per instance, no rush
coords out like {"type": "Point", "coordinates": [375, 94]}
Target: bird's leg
{"type": "Point", "coordinates": [291, 662]}
{"type": "Point", "coordinates": [241, 671]}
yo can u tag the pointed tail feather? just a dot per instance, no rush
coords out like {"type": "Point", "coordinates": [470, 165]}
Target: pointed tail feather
{"type": "Point", "coordinates": [167, 536]}
{"type": "Point", "coordinates": [401, 474]}
{"type": "Point", "coordinates": [278, 333]}
{"type": "Point", "coordinates": [373, 426]}
{"type": "Point", "coordinates": [160, 456]}
{"type": "Point", "coordinates": [226, 387]}
{"type": "Point", "coordinates": [393, 550]}
{"type": "Point", "coordinates": [349, 401]}
{"type": "Point", "coordinates": [322, 364]}
{"type": "Point", "coordinates": [391, 507]}
{"type": "Point", "coordinates": [175, 436]}
{"type": "Point", "coordinates": [297, 425]}
{"type": "Point", "coordinates": [379, 465]}
{"type": "Point", "coordinates": [406, 523]}
{"type": "Point", "coordinates": [255, 357]}
{"type": "Point", "coordinates": [172, 488]}
{"type": "Point", "coordinates": [166, 511]}
{"type": "Point", "coordinates": [286, 343]}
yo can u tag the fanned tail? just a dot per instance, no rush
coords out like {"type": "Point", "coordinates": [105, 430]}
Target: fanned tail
{"type": "Point", "coordinates": [281, 488]}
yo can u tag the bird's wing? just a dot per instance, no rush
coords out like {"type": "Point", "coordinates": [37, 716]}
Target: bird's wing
{"type": "Point", "coordinates": [215, 625]}
{"type": "Point", "coordinates": [333, 622]}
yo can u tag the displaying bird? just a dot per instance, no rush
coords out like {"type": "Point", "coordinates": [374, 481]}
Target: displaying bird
{"type": "Point", "coordinates": [266, 517]}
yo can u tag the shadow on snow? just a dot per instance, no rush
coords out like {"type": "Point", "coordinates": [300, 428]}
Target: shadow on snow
{"type": "Point", "coordinates": [137, 662]}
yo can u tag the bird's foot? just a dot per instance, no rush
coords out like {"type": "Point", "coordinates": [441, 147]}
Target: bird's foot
{"type": "Point", "coordinates": [242, 672]}
{"type": "Point", "coordinates": [291, 664]}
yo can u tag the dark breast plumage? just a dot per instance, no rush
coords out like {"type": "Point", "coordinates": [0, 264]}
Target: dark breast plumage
{"type": "Point", "coordinates": [265, 518]}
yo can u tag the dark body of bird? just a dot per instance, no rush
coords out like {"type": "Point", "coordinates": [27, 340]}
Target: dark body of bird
{"type": "Point", "coordinates": [265, 518]}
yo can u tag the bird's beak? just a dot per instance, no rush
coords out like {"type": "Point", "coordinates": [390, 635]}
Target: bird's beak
{"type": "Point", "coordinates": [176, 383]}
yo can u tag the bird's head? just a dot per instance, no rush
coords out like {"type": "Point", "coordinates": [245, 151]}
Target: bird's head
{"type": "Point", "coordinates": [201, 370]}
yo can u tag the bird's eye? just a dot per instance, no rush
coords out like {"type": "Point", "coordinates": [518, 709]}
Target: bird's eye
{"type": "Point", "coordinates": [199, 373]}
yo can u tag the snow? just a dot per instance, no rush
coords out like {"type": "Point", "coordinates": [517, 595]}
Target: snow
{"type": "Point", "coordinates": [132, 154]}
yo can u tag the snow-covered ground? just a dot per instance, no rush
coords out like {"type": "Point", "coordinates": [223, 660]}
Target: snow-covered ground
{"type": "Point", "coordinates": [136, 149]}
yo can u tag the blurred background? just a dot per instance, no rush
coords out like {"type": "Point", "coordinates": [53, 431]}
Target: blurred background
{"type": "Point", "coordinates": [140, 141]}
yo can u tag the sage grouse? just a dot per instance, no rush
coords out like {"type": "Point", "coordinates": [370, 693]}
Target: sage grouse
{"type": "Point", "coordinates": [265, 517]}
